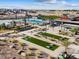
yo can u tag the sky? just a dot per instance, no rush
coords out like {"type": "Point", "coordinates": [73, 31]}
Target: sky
{"type": "Point", "coordinates": [40, 4]}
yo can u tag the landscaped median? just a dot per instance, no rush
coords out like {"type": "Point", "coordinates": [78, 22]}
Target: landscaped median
{"type": "Point", "coordinates": [53, 36]}
{"type": "Point", "coordinates": [64, 40]}
{"type": "Point", "coordinates": [41, 43]}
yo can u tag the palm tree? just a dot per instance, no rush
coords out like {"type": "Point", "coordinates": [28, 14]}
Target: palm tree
{"type": "Point", "coordinates": [16, 12]}
{"type": "Point", "coordinates": [14, 23]}
{"type": "Point", "coordinates": [66, 43]}
{"type": "Point", "coordinates": [61, 25]}
{"type": "Point", "coordinates": [26, 16]}
{"type": "Point", "coordinates": [0, 27]}
{"type": "Point", "coordinates": [3, 26]}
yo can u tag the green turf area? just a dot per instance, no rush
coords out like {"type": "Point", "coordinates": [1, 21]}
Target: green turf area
{"type": "Point", "coordinates": [53, 36]}
{"type": "Point", "coordinates": [48, 17]}
{"type": "Point", "coordinates": [41, 43]}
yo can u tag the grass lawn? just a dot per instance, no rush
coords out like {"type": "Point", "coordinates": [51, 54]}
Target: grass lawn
{"type": "Point", "coordinates": [41, 43]}
{"type": "Point", "coordinates": [48, 17]}
{"type": "Point", "coordinates": [53, 36]}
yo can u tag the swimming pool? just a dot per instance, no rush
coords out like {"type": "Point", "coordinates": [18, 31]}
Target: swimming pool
{"type": "Point", "coordinates": [34, 21]}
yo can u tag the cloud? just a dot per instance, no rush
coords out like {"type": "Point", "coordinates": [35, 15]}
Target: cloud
{"type": "Point", "coordinates": [62, 2]}
{"type": "Point", "coordinates": [70, 4]}
{"type": "Point", "coordinates": [51, 1]}
{"type": "Point", "coordinates": [47, 1]}
{"type": "Point", "coordinates": [43, 0]}
{"type": "Point", "coordinates": [43, 4]}
{"type": "Point", "coordinates": [58, 4]}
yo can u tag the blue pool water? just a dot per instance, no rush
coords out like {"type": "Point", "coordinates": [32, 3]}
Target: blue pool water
{"type": "Point", "coordinates": [34, 21]}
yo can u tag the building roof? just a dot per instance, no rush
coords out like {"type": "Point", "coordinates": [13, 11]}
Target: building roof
{"type": "Point", "coordinates": [68, 21]}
